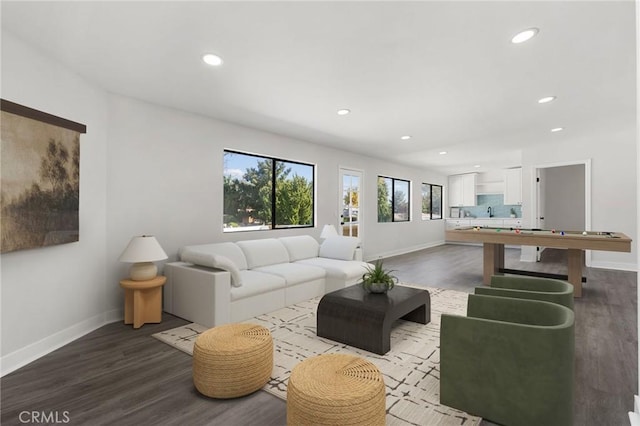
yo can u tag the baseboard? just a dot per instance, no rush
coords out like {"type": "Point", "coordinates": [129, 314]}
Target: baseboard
{"type": "Point", "coordinates": [32, 352]}
{"type": "Point", "coordinates": [620, 266]}
{"type": "Point", "coordinates": [634, 416]}
{"type": "Point", "coordinates": [113, 315]}
{"type": "Point", "coordinates": [403, 251]}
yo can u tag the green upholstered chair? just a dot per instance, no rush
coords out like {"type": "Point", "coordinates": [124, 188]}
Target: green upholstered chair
{"type": "Point", "coordinates": [510, 361]}
{"type": "Point", "coordinates": [546, 289]}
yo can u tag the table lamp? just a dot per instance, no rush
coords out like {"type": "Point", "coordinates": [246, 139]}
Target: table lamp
{"type": "Point", "coordinates": [328, 231]}
{"type": "Point", "coordinates": [142, 251]}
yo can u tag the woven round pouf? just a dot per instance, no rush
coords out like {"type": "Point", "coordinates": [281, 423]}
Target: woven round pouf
{"type": "Point", "coordinates": [232, 360]}
{"type": "Point", "coordinates": [336, 389]}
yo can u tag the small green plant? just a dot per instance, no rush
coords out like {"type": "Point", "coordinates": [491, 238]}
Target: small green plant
{"type": "Point", "coordinates": [378, 275]}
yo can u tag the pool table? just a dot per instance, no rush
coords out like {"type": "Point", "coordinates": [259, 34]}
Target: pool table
{"type": "Point", "coordinates": [575, 242]}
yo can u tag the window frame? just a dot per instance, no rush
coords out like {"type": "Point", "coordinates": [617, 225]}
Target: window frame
{"type": "Point", "coordinates": [430, 214]}
{"type": "Point", "coordinates": [393, 198]}
{"type": "Point", "coordinates": [274, 161]}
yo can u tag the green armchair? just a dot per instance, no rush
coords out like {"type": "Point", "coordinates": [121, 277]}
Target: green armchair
{"type": "Point", "coordinates": [510, 361]}
{"type": "Point", "coordinates": [549, 290]}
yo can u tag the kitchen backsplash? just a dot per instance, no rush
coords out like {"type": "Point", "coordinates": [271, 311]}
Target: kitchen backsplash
{"type": "Point", "coordinates": [495, 201]}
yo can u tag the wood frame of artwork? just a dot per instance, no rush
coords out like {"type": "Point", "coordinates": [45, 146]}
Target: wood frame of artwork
{"type": "Point", "coordinates": [40, 177]}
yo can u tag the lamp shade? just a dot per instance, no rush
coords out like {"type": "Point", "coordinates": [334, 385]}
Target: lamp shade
{"type": "Point", "coordinates": [143, 249]}
{"type": "Point", "coordinates": [142, 252]}
{"type": "Point", "coordinates": [328, 231]}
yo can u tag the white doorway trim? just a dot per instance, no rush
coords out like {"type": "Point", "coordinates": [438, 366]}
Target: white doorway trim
{"type": "Point", "coordinates": [587, 195]}
{"type": "Point", "coordinates": [342, 170]}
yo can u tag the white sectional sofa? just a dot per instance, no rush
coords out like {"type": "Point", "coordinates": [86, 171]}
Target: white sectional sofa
{"type": "Point", "coordinates": [215, 284]}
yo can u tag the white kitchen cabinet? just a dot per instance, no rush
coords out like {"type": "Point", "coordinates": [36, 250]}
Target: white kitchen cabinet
{"type": "Point", "coordinates": [513, 187]}
{"type": "Point", "coordinates": [494, 187]}
{"type": "Point", "coordinates": [488, 222]}
{"type": "Point", "coordinates": [462, 190]}
{"type": "Point", "coordinates": [455, 191]}
{"type": "Point", "coordinates": [491, 182]}
{"type": "Point", "coordinates": [513, 223]}
{"type": "Point", "coordinates": [457, 223]}
{"type": "Point", "coordinates": [469, 189]}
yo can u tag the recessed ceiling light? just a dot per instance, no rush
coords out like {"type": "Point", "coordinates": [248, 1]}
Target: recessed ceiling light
{"type": "Point", "coordinates": [546, 99]}
{"type": "Point", "coordinates": [211, 59]}
{"type": "Point", "coordinates": [405, 138]}
{"type": "Point", "coordinates": [443, 152]}
{"type": "Point", "coordinates": [525, 35]}
{"type": "Point", "coordinates": [476, 166]}
{"type": "Point", "coordinates": [557, 129]}
{"type": "Point", "coordinates": [343, 111]}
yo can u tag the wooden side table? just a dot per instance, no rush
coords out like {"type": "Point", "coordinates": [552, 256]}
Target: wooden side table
{"type": "Point", "coordinates": [143, 301]}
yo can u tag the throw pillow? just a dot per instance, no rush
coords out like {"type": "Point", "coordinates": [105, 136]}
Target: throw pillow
{"type": "Point", "coordinates": [212, 260]}
{"type": "Point", "coordinates": [223, 262]}
{"type": "Point", "coordinates": [341, 248]}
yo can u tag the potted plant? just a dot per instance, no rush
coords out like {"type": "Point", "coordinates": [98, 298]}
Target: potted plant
{"type": "Point", "coordinates": [513, 212]}
{"type": "Point", "coordinates": [377, 279]}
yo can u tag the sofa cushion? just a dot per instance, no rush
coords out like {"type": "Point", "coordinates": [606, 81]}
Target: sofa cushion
{"type": "Point", "coordinates": [255, 283]}
{"type": "Point", "coordinates": [300, 247]}
{"type": "Point", "coordinates": [265, 252]}
{"type": "Point", "coordinates": [346, 270]}
{"type": "Point", "coordinates": [341, 248]}
{"type": "Point", "coordinates": [202, 254]}
{"type": "Point", "coordinates": [294, 273]}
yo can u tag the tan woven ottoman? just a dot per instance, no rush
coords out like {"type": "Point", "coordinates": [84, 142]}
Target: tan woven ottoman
{"type": "Point", "coordinates": [336, 389]}
{"type": "Point", "coordinates": [232, 360]}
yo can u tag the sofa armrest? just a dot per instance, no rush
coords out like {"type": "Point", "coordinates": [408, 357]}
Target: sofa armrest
{"type": "Point", "coordinates": [198, 294]}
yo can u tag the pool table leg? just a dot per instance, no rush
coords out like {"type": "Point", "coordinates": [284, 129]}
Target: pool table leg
{"type": "Point", "coordinates": [575, 264]}
{"type": "Point", "coordinates": [493, 261]}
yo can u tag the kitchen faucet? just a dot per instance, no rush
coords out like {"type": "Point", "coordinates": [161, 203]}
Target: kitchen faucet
{"type": "Point", "coordinates": [489, 211]}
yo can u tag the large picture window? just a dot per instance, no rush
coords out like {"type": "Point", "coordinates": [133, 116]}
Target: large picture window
{"type": "Point", "coordinates": [431, 201]}
{"type": "Point", "coordinates": [393, 199]}
{"type": "Point", "coordinates": [266, 193]}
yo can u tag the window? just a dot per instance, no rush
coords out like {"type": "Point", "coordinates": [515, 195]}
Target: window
{"type": "Point", "coordinates": [393, 200]}
{"type": "Point", "coordinates": [266, 193]}
{"type": "Point", "coordinates": [431, 201]}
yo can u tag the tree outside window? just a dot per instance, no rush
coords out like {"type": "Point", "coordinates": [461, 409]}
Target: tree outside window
{"type": "Point", "coordinates": [431, 201]}
{"type": "Point", "coordinates": [393, 200]}
{"type": "Point", "coordinates": [266, 193]}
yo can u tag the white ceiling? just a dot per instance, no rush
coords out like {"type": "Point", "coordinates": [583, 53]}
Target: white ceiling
{"type": "Point", "coordinates": [445, 73]}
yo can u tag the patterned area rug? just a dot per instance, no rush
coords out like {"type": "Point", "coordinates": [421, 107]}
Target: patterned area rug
{"type": "Point", "coordinates": [411, 369]}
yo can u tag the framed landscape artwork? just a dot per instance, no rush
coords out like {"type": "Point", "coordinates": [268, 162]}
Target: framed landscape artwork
{"type": "Point", "coordinates": [39, 178]}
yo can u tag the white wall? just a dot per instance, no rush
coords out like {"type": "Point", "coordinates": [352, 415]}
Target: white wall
{"type": "Point", "coordinates": [614, 190]}
{"type": "Point", "coordinates": [165, 179]}
{"type": "Point", "coordinates": [152, 170]}
{"type": "Point", "coordinates": [52, 295]}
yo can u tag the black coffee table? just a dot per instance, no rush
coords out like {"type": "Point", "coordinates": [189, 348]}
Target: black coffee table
{"type": "Point", "coordinates": [353, 316]}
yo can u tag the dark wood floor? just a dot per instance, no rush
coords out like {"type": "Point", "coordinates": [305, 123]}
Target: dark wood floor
{"type": "Point", "coordinates": [117, 375]}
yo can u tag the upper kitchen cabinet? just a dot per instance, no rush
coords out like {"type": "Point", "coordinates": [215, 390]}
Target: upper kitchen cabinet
{"type": "Point", "coordinates": [513, 186]}
{"type": "Point", "coordinates": [490, 182]}
{"type": "Point", "coordinates": [462, 190]}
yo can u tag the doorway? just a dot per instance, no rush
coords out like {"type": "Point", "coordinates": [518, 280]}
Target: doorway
{"type": "Point", "coordinates": [562, 197]}
{"type": "Point", "coordinates": [350, 201]}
